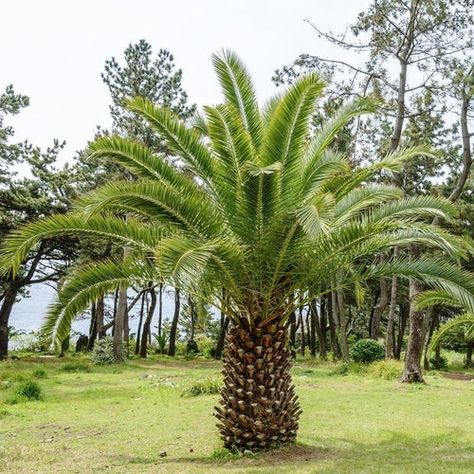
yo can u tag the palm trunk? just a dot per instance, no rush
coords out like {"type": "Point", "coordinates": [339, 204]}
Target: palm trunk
{"type": "Point", "coordinates": [258, 407]}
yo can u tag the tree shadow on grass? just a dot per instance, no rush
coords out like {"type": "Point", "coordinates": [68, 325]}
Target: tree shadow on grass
{"type": "Point", "coordinates": [397, 452]}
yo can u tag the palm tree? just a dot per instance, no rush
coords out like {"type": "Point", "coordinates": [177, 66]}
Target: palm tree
{"type": "Point", "coordinates": [463, 321]}
{"type": "Point", "coordinates": [260, 208]}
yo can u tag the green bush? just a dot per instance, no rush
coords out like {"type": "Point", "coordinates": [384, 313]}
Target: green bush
{"type": "Point", "coordinates": [26, 391]}
{"type": "Point", "coordinates": [349, 368]}
{"type": "Point", "coordinates": [103, 353]}
{"type": "Point", "coordinates": [40, 373]}
{"type": "Point", "coordinates": [205, 387]}
{"type": "Point", "coordinates": [76, 367]}
{"type": "Point", "coordinates": [439, 364]}
{"type": "Point", "coordinates": [367, 351]}
{"type": "Point", "coordinates": [386, 369]}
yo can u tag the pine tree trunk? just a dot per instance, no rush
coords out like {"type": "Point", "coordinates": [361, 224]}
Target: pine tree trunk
{"type": "Point", "coordinates": [147, 325]}
{"type": "Point", "coordinates": [5, 311]}
{"type": "Point", "coordinates": [174, 324]}
{"type": "Point", "coordinates": [119, 323]}
{"type": "Point", "coordinates": [403, 318]}
{"type": "Point", "coordinates": [99, 311]}
{"type": "Point", "coordinates": [412, 372]}
{"type": "Point", "coordinates": [160, 308]}
{"type": "Point", "coordinates": [258, 407]}
{"type": "Point", "coordinates": [470, 348]}
{"type": "Point", "coordinates": [380, 306]}
{"type": "Point", "coordinates": [389, 346]}
{"type": "Point", "coordinates": [140, 324]}
{"type": "Point", "coordinates": [92, 328]}
{"type": "Point", "coordinates": [220, 342]}
{"type": "Point", "coordinates": [292, 321]}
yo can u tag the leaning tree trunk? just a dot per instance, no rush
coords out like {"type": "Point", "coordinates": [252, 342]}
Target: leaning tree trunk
{"type": "Point", "coordinates": [258, 407]}
{"type": "Point", "coordinates": [412, 372]}
{"type": "Point", "coordinates": [147, 324]}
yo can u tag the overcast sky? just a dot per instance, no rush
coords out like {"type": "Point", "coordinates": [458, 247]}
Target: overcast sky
{"type": "Point", "coordinates": [54, 51]}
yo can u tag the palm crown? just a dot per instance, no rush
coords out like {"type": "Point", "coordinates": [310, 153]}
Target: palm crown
{"type": "Point", "coordinates": [257, 207]}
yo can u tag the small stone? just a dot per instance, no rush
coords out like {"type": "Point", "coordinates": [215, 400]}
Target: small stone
{"type": "Point", "coordinates": [191, 450]}
{"type": "Point", "coordinates": [163, 454]}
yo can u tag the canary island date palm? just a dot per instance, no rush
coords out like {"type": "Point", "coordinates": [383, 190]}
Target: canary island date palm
{"type": "Point", "coordinates": [261, 207]}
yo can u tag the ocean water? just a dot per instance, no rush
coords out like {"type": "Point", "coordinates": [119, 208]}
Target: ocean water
{"type": "Point", "coordinates": [28, 314]}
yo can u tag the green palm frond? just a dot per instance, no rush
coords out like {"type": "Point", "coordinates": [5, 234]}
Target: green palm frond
{"type": "Point", "coordinates": [189, 210]}
{"type": "Point", "coordinates": [464, 321]}
{"type": "Point", "coordinates": [239, 91]}
{"type": "Point", "coordinates": [21, 241]}
{"type": "Point", "coordinates": [182, 140]}
{"type": "Point", "coordinates": [86, 286]}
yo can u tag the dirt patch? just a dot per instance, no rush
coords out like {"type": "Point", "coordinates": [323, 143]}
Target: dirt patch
{"type": "Point", "coordinates": [458, 376]}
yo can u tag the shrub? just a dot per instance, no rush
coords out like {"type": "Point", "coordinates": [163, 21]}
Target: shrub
{"type": "Point", "coordinates": [40, 373]}
{"type": "Point", "coordinates": [27, 391]}
{"type": "Point", "coordinates": [205, 387]}
{"type": "Point", "coordinates": [349, 368]}
{"type": "Point", "coordinates": [440, 363]}
{"type": "Point", "coordinates": [386, 369]}
{"type": "Point", "coordinates": [367, 351]}
{"type": "Point", "coordinates": [76, 367]}
{"type": "Point", "coordinates": [103, 353]}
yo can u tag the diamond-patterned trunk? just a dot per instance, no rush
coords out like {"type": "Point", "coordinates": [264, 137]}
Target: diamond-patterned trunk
{"type": "Point", "coordinates": [258, 407]}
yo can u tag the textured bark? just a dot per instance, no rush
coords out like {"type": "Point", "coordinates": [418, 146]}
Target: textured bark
{"type": "Point", "coordinates": [174, 324]}
{"type": "Point", "coordinates": [258, 407]}
{"type": "Point", "coordinates": [412, 372]}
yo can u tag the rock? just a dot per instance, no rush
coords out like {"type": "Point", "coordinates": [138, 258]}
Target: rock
{"type": "Point", "coordinates": [163, 454]}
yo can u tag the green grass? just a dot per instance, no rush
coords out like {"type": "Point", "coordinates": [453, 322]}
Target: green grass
{"type": "Point", "coordinates": [118, 420]}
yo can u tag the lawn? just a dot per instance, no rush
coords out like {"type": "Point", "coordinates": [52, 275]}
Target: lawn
{"type": "Point", "coordinates": [123, 419]}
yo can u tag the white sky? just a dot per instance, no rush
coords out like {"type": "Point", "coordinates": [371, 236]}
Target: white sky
{"type": "Point", "coordinates": [54, 51]}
